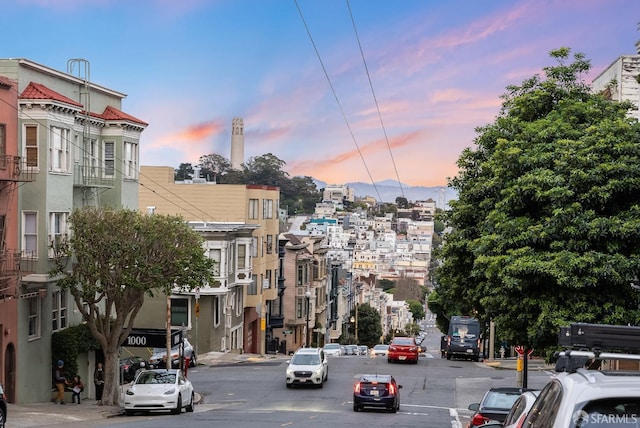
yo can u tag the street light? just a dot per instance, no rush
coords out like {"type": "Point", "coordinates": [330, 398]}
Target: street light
{"type": "Point", "coordinates": [307, 296]}
{"type": "Point", "coordinates": [355, 327]}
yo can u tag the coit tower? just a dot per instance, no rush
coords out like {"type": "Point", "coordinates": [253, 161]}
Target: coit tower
{"type": "Point", "coordinates": [237, 143]}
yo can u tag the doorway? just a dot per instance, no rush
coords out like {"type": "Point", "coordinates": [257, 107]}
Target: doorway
{"type": "Point", "coordinates": [10, 373]}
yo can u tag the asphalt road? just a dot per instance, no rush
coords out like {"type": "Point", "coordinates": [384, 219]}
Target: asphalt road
{"type": "Point", "coordinates": [435, 393]}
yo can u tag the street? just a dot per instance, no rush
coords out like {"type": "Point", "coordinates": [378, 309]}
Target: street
{"type": "Point", "coordinates": [435, 393]}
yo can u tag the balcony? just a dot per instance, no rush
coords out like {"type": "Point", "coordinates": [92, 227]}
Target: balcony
{"type": "Point", "coordinates": [14, 168]}
{"type": "Point", "coordinates": [92, 176]}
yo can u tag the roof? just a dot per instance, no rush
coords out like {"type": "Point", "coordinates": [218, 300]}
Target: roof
{"type": "Point", "coordinates": [112, 113]}
{"type": "Point", "coordinates": [37, 91]}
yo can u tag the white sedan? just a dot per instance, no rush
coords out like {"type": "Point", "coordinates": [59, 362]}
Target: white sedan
{"type": "Point", "coordinates": [159, 389]}
{"type": "Point", "coordinates": [159, 355]}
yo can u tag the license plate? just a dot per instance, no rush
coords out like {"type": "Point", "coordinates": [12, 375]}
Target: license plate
{"type": "Point", "coordinates": [403, 357]}
{"type": "Point", "coordinates": [303, 380]}
{"type": "Point", "coordinates": [375, 392]}
{"type": "Point", "coordinates": [469, 351]}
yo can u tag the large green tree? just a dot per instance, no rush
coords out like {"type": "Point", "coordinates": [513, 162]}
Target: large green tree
{"type": "Point", "coordinates": [546, 229]}
{"type": "Point", "coordinates": [369, 325]}
{"type": "Point", "coordinates": [114, 258]}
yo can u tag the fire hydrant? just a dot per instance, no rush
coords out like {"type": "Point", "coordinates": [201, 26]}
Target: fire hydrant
{"type": "Point", "coordinates": [502, 351]}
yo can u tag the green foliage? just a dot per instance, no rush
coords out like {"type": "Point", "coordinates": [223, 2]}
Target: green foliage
{"type": "Point", "coordinates": [402, 202]}
{"type": "Point", "coordinates": [67, 344]}
{"type": "Point", "coordinates": [412, 329]}
{"type": "Point", "coordinates": [547, 224]}
{"type": "Point", "coordinates": [369, 325]}
{"type": "Point", "coordinates": [386, 284]}
{"type": "Point", "coordinates": [416, 308]}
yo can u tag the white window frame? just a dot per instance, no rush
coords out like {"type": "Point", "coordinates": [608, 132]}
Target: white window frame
{"type": "Point", "coordinates": [254, 246]}
{"type": "Point", "coordinates": [59, 146]}
{"type": "Point", "coordinates": [267, 208]}
{"type": "Point", "coordinates": [243, 256]}
{"type": "Point", "coordinates": [29, 236]}
{"type": "Point", "coordinates": [109, 156]}
{"type": "Point", "coordinates": [59, 310]}
{"type": "Point", "coordinates": [238, 304]}
{"type": "Point", "coordinates": [33, 148]}
{"type": "Point", "coordinates": [34, 319]}
{"type": "Point", "coordinates": [131, 160]}
{"type": "Point", "coordinates": [254, 209]}
{"type": "Point", "coordinates": [215, 254]}
{"type": "Point", "coordinates": [58, 229]}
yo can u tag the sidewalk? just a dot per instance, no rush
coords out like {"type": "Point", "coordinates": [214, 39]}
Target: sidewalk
{"type": "Point", "coordinates": [49, 414]}
{"type": "Point", "coordinates": [511, 364]}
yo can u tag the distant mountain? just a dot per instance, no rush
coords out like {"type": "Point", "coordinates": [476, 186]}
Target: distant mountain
{"type": "Point", "coordinates": [389, 190]}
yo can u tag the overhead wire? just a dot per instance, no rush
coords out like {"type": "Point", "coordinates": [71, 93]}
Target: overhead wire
{"type": "Point", "coordinates": [375, 99]}
{"type": "Point", "coordinates": [335, 95]}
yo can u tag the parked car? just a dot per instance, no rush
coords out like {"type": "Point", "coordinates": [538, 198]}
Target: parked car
{"type": "Point", "coordinates": [494, 406]}
{"type": "Point", "coordinates": [364, 349]}
{"type": "Point", "coordinates": [380, 350]}
{"type": "Point", "coordinates": [351, 350]}
{"type": "Point", "coordinates": [308, 366]}
{"type": "Point", "coordinates": [588, 398]}
{"type": "Point", "coordinates": [403, 349]}
{"type": "Point", "coordinates": [520, 408]}
{"type": "Point", "coordinates": [332, 350]}
{"type": "Point", "coordinates": [159, 389]}
{"type": "Point", "coordinates": [158, 353]}
{"type": "Point", "coordinates": [3, 408]}
{"type": "Point", "coordinates": [378, 391]}
{"type": "Point", "coordinates": [130, 366]}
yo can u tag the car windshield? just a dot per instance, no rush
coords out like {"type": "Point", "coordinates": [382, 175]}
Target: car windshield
{"type": "Point", "coordinates": [403, 341]}
{"type": "Point", "coordinates": [151, 377]}
{"type": "Point", "coordinates": [500, 400]}
{"type": "Point", "coordinates": [381, 347]}
{"type": "Point", "coordinates": [305, 359]}
{"type": "Point", "coordinates": [332, 346]}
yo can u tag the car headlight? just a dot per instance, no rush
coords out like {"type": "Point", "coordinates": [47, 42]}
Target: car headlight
{"type": "Point", "coordinates": [317, 371]}
{"type": "Point", "coordinates": [170, 391]}
{"type": "Point", "coordinates": [289, 372]}
{"type": "Point", "coordinates": [129, 392]}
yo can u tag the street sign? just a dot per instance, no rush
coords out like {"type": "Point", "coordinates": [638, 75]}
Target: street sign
{"type": "Point", "coordinates": [197, 309]}
{"type": "Point", "coordinates": [520, 349]}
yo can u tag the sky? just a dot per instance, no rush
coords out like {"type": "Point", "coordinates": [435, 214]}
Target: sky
{"type": "Point", "coordinates": [342, 91]}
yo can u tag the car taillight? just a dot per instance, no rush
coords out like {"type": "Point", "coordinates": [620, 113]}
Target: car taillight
{"type": "Point", "coordinates": [479, 419]}
{"type": "Point", "coordinates": [448, 340]}
{"type": "Point", "coordinates": [356, 388]}
{"type": "Point", "coordinates": [392, 389]}
{"type": "Point", "coordinates": [412, 349]}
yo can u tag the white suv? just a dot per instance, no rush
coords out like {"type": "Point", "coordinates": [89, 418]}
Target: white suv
{"type": "Point", "coordinates": [308, 366]}
{"type": "Point", "coordinates": [588, 398]}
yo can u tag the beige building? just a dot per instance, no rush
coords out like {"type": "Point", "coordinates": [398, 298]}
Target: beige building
{"type": "Point", "coordinates": [210, 203]}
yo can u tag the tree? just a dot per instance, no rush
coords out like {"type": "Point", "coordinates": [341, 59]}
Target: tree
{"type": "Point", "coordinates": [214, 166]}
{"type": "Point", "coordinates": [408, 289]}
{"type": "Point", "coordinates": [402, 202]}
{"type": "Point", "coordinates": [416, 308]}
{"type": "Point", "coordinates": [546, 229]}
{"type": "Point", "coordinates": [184, 172]}
{"type": "Point", "coordinates": [369, 324]}
{"type": "Point", "coordinates": [113, 259]}
{"type": "Point", "coordinates": [386, 284]}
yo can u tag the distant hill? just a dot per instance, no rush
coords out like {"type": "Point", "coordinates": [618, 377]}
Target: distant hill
{"type": "Point", "coordinates": [389, 190]}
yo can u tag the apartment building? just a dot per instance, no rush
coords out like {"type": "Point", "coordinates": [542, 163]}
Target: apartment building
{"type": "Point", "coordinates": [256, 292]}
{"type": "Point", "coordinates": [79, 149]}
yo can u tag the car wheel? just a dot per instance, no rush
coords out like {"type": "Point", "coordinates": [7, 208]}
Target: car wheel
{"type": "Point", "coordinates": [178, 408]}
{"type": "Point", "coordinates": [356, 408]}
{"type": "Point", "coordinates": [189, 408]}
{"type": "Point", "coordinates": [192, 361]}
{"type": "Point", "coordinates": [448, 356]}
{"type": "Point", "coordinates": [321, 384]}
{"type": "Point", "coordinates": [326, 375]}
{"type": "Point", "coordinates": [389, 360]}
{"type": "Point", "coordinates": [288, 385]}
{"type": "Point", "coordinates": [128, 412]}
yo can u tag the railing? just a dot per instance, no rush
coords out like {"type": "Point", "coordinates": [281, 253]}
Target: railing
{"type": "Point", "coordinates": [14, 168]}
{"type": "Point", "coordinates": [92, 176]}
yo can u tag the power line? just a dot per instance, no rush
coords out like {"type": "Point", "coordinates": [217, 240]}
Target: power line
{"type": "Point", "coordinates": [373, 93]}
{"type": "Point", "coordinates": [346, 121]}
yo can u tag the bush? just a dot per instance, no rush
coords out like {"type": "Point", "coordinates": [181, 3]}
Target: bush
{"type": "Point", "coordinates": [67, 344]}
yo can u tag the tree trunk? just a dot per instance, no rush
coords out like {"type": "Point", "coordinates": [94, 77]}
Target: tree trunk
{"type": "Point", "coordinates": [111, 393]}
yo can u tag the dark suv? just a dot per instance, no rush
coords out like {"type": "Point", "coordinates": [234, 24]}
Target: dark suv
{"type": "Point", "coordinates": [3, 408]}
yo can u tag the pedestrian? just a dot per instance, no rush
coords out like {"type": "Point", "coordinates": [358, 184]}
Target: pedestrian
{"type": "Point", "coordinates": [77, 387]}
{"type": "Point", "coordinates": [60, 382]}
{"type": "Point", "coordinates": [98, 380]}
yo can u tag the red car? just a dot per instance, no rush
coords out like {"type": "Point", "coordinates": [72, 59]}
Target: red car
{"type": "Point", "coordinates": [403, 349]}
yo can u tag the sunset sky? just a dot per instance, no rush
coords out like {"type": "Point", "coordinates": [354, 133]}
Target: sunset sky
{"type": "Point", "coordinates": [294, 71]}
